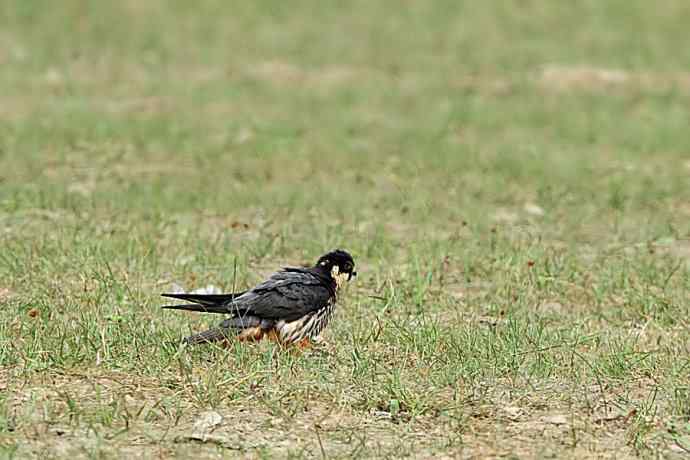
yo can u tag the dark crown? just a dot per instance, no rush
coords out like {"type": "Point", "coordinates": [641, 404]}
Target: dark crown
{"type": "Point", "coordinates": [337, 257]}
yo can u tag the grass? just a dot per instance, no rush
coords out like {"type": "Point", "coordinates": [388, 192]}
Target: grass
{"type": "Point", "coordinates": [512, 179]}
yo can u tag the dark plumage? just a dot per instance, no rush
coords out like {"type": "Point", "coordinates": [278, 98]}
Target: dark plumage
{"type": "Point", "coordinates": [292, 305]}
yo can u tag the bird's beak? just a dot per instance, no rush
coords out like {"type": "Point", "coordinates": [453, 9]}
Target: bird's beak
{"type": "Point", "coordinates": [352, 275]}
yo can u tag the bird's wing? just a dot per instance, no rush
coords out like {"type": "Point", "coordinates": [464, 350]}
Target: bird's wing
{"type": "Point", "coordinates": [286, 295]}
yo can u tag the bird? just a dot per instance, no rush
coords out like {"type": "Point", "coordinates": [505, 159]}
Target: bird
{"type": "Point", "coordinates": [291, 307]}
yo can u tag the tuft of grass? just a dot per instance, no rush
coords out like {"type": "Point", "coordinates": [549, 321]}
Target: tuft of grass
{"type": "Point", "coordinates": [517, 207]}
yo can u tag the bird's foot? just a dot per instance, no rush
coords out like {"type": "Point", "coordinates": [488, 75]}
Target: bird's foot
{"type": "Point", "coordinates": [304, 344]}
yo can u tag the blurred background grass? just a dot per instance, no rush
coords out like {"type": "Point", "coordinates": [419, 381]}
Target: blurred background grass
{"type": "Point", "coordinates": [521, 160]}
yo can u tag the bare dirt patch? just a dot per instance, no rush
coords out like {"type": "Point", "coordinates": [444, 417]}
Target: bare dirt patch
{"type": "Point", "coordinates": [589, 78]}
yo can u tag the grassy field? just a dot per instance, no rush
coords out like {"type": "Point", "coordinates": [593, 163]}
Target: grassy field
{"type": "Point", "coordinates": [513, 179]}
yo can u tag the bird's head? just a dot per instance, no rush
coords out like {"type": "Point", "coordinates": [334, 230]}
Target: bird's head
{"type": "Point", "coordinates": [339, 265]}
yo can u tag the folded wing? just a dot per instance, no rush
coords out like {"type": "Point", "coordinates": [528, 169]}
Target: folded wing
{"type": "Point", "coordinates": [286, 295]}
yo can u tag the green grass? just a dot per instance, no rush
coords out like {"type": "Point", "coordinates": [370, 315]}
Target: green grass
{"type": "Point", "coordinates": [512, 178]}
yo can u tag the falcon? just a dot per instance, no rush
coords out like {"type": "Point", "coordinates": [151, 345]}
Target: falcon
{"type": "Point", "coordinates": [292, 306]}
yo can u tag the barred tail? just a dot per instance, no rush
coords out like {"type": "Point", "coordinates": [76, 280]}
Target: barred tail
{"type": "Point", "coordinates": [210, 336]}
{"type": "Point", "coordinates": [231, 327]}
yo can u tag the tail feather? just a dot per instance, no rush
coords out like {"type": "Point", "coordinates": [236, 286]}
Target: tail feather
{"type": "Point", "coordinates": [214, 303]}
{"type": "Point", "coordinates": [205, 303]}
{"type": "Point", "coordinates": [231, 327]}
{"type": "Point", "coordinates": [200, 308]}
{"type": "Point", "coordinates": [206, 299]}
{"type": "Point", "coordinates": [209, 336]}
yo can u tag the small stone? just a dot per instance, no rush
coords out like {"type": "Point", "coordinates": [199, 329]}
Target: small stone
{"type": "Point", "coordinates": [244, 135]}
{"type": "Point", "coordinates": [533, 209]}
{"type": "Point", "coordinates": [54, 77]}
{"type": "Point", "coordinates": [556, 419]}
{"type": "Point", "coordinates": [206, 423]}
{"type": "Point", "coordinates": [513, 413]}
{"type": "Point", "coordinates": [5, 294]}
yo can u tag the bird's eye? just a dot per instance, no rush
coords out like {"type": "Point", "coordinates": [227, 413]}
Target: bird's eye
{"type": "Point", "coordinates": [348, 267]}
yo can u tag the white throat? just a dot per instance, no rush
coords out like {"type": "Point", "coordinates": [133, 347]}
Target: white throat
{"type": "Point", "coordinates": [340, 278]}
